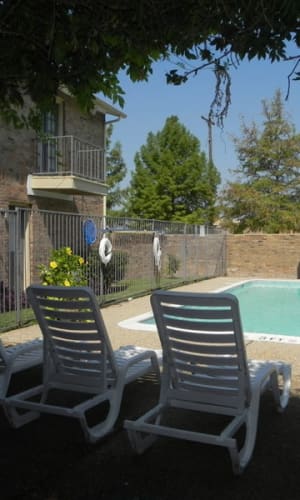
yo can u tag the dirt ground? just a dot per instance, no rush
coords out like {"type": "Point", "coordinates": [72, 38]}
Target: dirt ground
{"type": "Point", "coordinates": [48, 459]}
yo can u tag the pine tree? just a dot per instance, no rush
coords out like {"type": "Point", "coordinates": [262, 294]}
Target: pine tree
{"type": "Point", "coordinates": [115, 173]}
{"type": "Point", "coordinates": [173, 179]}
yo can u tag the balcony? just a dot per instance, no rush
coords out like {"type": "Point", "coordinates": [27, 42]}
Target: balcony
{"type": "Point", "coordinates": [68, 165]}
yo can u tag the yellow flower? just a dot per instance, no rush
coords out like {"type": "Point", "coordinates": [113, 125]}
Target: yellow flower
{"type": "Point", "coordinates": [68, 251]}
{"type": "Point", "coordinates": [53, 264]}
{"type": "Point", "coordinates": [67, 283]}
{"type": "Point", "coordinates": [81, 260]}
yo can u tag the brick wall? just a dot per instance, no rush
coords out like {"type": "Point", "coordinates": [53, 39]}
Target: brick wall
{"type": "Point", "coordinates": [197, 257]}
{"type": "Point", "coordinates": [87, 127]}
{"type": "Point", "coordinates": [263, 255]}
{"type": "Point", "coordinates": [16, 162]}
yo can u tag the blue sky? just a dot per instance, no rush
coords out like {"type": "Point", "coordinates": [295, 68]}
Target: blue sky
{"type": "Point", "coordinates": [148, 104]}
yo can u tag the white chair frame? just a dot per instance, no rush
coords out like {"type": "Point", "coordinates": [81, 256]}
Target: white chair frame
{"type": "Point", "coordinates": [78, 357]}
{"type": "Point", "coordinates": [205, 369]}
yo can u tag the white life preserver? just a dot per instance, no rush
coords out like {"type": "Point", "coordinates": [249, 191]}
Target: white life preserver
{"type": "Point", "coordinates": [157, 252]}
{"type": "Point", "coordinates": [105, 250]}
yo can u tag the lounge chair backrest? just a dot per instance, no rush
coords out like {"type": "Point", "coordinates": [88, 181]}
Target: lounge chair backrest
{"type": "Point", "coordinates": [74, 334]}
{"type": "Point", "coordinates": [203, 349]}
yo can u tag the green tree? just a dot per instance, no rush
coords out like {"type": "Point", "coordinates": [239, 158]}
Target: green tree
{"type": "Point", "coordinates": [115, 173]}
{"type": "Point", "coordinates": [266, 195]}
{"type": "Point", "coordinates": [173, 179]}
{"type": "Point", "coordinates": [82, 46]}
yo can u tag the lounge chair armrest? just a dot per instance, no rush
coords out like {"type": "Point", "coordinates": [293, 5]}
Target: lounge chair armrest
{"type": "Point", "coordinates": [148, 354]}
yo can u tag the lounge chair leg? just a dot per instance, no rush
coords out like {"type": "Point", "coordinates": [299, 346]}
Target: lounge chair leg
{"type": "Point", "coordinates": [235, 460]}
{"type": "Point", "coordinates": [140, 441]}
{"type": "Point", "coordinates": [98, 431]}
{"type": "Point", "coordinates": [17, 419]}
{"type": "Point", "coordinates": [281, 396]}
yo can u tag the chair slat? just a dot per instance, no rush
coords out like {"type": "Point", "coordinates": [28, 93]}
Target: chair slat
{"type": "Point", "coordinates": [218, 349]}
{"type": "Point", "coordinates": [86, 345]}
{"type": "Point", "coordinates": [205, 360]}
{"type": "Point", "coordinates": [192, 325]}
{"type": "Point", "coordinates": [197, 312]}
{"type": "Point", "coordinates": [80, 354]}
{"type": "Point", "coordinates": [207, 370]}
{"type": "Point", "coordinates": [77, 336]}
{"type": "Point", "coordinates": [214, 400]}
{"type": "Point", "coordinates": [201, 337]}
{"type": "Point", "coordinates": [201, 380]}
{"type": "Point", "coordinates": [69, 326]}
{"type": "Point", "coordinates": [71, 315]}
{"type": "Point", "coordinates": [59, 303]}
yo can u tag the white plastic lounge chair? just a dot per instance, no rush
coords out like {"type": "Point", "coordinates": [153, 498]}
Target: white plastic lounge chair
{"type": "Point", "coordinates": [78, 357]}
{"type": "Point", "coordinates": [17, 358]}
{"type": "Point", "coordinates": [205, 369]}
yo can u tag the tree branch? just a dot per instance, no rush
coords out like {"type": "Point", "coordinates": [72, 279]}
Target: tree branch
{"type": "Point", "coordinates": [290, 76]}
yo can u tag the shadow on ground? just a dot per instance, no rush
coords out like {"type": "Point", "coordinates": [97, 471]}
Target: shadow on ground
{"type": "Point", "coordinates": [48, 459]}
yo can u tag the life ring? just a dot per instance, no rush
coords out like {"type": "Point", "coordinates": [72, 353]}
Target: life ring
{"type": "Point", "coordinates": [157, 252]}
{"type": "Point", "coordinates": [105, 250]}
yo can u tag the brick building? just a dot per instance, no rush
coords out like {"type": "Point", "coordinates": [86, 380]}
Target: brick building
{"type": "Point", "coordinates": [62, 170]}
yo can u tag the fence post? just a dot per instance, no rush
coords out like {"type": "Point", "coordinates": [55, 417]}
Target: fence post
{"type": "Point", "coordinates": [72, 154]}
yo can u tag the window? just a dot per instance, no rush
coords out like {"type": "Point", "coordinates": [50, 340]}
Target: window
{"type": "Point", "coordinates": [49, 146]}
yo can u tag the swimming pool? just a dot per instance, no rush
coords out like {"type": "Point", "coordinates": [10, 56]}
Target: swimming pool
{"type": "Point", "coordinates": [270, 310]}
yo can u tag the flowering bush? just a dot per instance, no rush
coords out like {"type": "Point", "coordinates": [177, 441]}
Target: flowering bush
{"type": "Point", "coordinates": [64, 269]}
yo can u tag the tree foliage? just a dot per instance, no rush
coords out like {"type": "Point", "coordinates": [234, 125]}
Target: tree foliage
{"type": "Point", "coordinates": [173, 179]}
{"type": "Point", "coordinates": [115, 173]}
{"type": "Point", "coordinates": [82, 45]}
{"type": "Point", "coordinates": [266, 196]}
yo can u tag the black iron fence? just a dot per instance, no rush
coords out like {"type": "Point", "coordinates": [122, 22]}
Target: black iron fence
{"type": "Point", "coordinates": [125, 257]}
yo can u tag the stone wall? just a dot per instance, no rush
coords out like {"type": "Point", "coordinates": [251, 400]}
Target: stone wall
{"type": "Point", "coordinates": [263, 255]}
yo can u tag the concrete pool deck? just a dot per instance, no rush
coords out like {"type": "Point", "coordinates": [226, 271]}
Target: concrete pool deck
{"type": "Point", "coordinates": [115, 313]}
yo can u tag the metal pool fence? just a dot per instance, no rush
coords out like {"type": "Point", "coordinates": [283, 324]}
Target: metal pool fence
{"type": "Point", "coordinates": [146, 254]}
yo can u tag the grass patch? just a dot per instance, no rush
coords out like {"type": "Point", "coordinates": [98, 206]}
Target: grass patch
{"type": "Point", "coordinates": [139, 287]}
{"type": "Point", "coordinates": [10, 321]}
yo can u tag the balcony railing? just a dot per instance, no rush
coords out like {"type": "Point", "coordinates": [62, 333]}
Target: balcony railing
{"type": "Point", "coordinates": [67, 155]}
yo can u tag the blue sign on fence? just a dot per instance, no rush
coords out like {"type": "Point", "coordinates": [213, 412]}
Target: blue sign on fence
{"type": "Point", "coordinates": [89, 231]}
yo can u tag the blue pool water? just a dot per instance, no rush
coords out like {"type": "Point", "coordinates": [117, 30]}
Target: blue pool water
{"type": "Point", "coordinates": [269, 309]}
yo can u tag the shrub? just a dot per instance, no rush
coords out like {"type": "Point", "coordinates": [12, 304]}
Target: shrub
{"type": "Point", "coordinates": [64, 269]}
{"type": "Point", "coordinates": [114, 271]}
{"type": "Point", "coordinates": [172, 265]}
